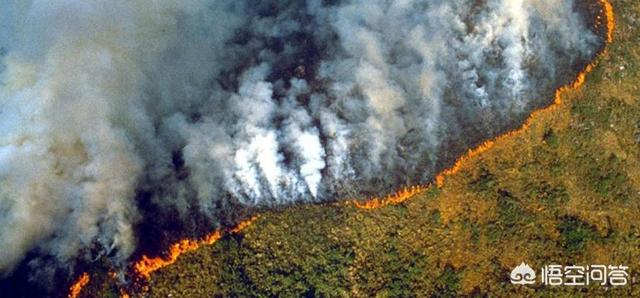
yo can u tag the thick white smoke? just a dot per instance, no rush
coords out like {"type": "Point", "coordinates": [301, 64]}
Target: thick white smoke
{"type": "Point", "coordinates": [197, 108]}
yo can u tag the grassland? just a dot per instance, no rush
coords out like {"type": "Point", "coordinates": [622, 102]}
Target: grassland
{"type": "Point", "coordinates": [565, 191]}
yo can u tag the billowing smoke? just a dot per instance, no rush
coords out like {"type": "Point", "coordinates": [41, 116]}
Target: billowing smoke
{"type": "Point", "coordinates": [117, 113]}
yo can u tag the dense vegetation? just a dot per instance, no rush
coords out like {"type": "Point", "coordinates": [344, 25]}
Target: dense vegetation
{"type": "Point", "coordinates": [566, 191]}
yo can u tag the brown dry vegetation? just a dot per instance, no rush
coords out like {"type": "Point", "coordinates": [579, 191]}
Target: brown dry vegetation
{"type": "Point", "coordinates": [566, 191]}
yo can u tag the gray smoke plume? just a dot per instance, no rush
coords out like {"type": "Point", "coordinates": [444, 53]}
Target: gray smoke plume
{"type": "Point", "coordinates": [196, 109]}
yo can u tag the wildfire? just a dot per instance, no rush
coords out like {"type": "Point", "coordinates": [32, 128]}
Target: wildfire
{"type": "Point", "coordinates": [406, 193]}
{"type": "Point", "coordinates": [77, 286]}
{"type": "Point", "coordinates": [147, 265]}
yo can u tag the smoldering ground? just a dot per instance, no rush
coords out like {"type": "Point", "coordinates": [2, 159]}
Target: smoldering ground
{"type": "Point", "coordinates": [120, 119]}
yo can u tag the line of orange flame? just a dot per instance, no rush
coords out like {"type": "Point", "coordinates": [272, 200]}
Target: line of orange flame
{"type": "Point", "coordinates": [77, 286]}
{"type": "Point", "coordinates": [147, 265]}
{"type": "Point", "coordinates": [408, 192]}
{"type": "Point", "coordinates": [392, 199]}
{"type": "Point", "coordinates": [608, 13]}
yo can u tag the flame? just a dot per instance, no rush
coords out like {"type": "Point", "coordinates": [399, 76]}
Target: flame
{"type": "Point", "coordinates": [608, 13]}
{"type": "Point", "coordinates": [392, 199]}
{"type": "Point", "coordinates": [147, 265]}
{"type": "Point", "coordinates": [406, 193]}
{"type": "Point", "coordinates": [77, 286]}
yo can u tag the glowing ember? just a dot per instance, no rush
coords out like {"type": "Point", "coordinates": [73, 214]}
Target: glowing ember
{"type": "Point", "coordinates": [77, 286]}
{"type": "Point", "coordinates": [147, 265]}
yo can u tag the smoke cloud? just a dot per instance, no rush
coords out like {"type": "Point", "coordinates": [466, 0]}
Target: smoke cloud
{"type": "Point", "coordinates": [116, 113]}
